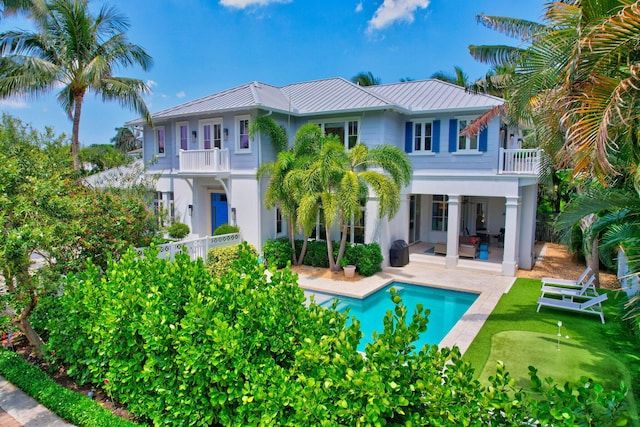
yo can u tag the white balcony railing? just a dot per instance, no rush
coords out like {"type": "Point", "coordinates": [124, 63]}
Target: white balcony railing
{"type": "Point", "coordinates": [215, 160]}
{"type": "Point", "coordinates": [519, 161]}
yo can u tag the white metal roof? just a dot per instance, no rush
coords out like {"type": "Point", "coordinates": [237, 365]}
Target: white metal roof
{"type": "Point", "coordinates": [433, 95]}
{"type": "Point", "coordinates": [336, 95]}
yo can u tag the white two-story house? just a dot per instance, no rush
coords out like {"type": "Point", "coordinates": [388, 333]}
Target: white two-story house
{"type": "Point", "coordinates": [462, 185]}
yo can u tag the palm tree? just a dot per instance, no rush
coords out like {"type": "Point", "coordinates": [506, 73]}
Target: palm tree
{"type": "Point", "coordinates": [126, 139]}
{"type": "Point", "coordinates": [366, 79]}
{"type": "Point", "coordinates": [77, 51]}
{"type": "Point", "coordinates": [341, 179]}
{"type": "Point", "coordinates": [458, 77]}
{"type": "Point", "coordinates": [572, 79]}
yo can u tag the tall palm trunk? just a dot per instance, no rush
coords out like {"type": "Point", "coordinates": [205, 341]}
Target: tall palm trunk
{"type": "Point", "coordinates": [343, 242]}
{"type": "Point", "coordinates": [292, 241]}
{"type": "Point", "coordinates": [332, 263]}
{"type": "Point", "coordinates": [75, 135]}
{"type": "Point", "coordinates": [303, 250]}
{"type": "Point", "coordinates": [591, 247]}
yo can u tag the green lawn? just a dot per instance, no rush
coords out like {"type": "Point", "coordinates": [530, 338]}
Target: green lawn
{"type": "Point", "coordinates": [519, 336]}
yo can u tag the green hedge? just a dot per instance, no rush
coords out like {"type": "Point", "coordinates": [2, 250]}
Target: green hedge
{"type": "Point", "coordinates": [178, 230]}
{"type": "Point", "coordinates": [181, 347]}
{"type": "Point", "coordinates": [277, 253]}
{"type": "Point", "coordinates": [367, 258]}
{"type": "Point", "coordinates": [225, 229]}
{"type": "Point", "coordinates": [73, 407]}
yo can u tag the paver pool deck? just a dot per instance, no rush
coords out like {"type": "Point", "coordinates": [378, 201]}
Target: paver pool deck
{"type": "Point", "coordinates": [488, 285]}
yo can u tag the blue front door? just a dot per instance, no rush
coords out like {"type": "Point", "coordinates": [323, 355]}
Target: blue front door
{"type": "Point", "coordinates": [219, 210]}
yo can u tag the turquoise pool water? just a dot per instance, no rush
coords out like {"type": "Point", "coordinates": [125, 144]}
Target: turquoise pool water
{"type": "Point", "coordinates": [447, 307]}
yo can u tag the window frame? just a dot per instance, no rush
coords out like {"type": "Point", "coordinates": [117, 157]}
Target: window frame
{"type": "Point", "coordinates": [347, 128]}
{"type": "Point", "coordinates": [467, 140]}
{"type": "Point", "coordinates": [238, 138]}
{"type": "Point", "coordinates": [156, 133]}
{"type": "Point", "coordinates": [179, 126]}
{"type": "Point", "coordinates": [440, 203]}
{"type": "Point", "coordinates": [214, 123]}
{"type": "Point", "coordinates": [422, 125]}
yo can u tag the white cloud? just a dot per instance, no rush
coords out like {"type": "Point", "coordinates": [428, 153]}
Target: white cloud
{"type": "Point", "coordinates": [181, 94]}
{"type": "Point", "coordinates": [359, 7]}
{"type": "Point", "coordinates": [242, 4]}
{"type": "Point", "coordinates": [14, 103]}
{"type": "Point", "coordinates": [151, 84]}
{"type": "Point", "coordinates": [392, 11]}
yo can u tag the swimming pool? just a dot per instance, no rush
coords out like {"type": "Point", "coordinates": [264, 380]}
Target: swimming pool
{"type": "Point", "coordinates": [447, 307]}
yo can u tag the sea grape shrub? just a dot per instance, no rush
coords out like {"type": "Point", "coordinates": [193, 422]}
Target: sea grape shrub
{"type": "Point", "coordinates": [220, 260]}
{"type": "Point", "coordinates": [182, 347]}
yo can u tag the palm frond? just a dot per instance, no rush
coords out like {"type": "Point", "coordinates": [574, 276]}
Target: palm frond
{"type": "Point", "coordinates": [512, 27]}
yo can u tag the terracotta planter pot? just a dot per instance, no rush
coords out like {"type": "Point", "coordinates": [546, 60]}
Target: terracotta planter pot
{"type": "Point", "coordinates": [349, 271]}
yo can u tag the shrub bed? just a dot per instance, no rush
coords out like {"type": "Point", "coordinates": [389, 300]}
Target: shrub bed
{"type": "Point", "coordinates": [74, 407]}
{"type": "Point", "coordinates": [181, 347]}
{"type": "Point", "coordinates": [367, 258]}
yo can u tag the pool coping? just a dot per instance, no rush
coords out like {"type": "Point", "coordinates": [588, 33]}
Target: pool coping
{"type": "Point", "coordinates": [489, 287]}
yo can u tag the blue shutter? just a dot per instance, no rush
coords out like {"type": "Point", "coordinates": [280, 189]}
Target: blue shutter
{"type": "Point", "coordinates": [453, 135]}
{"type": "Point", "coordinates": [435, 136]}
{"type": "Point", "coordinates": [408, 137]}
{"type": "Point", "coordinates": [482, 143]}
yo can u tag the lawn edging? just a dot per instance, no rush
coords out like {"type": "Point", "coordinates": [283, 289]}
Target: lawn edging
{"type": "Point", "coordinates": [73, 407]}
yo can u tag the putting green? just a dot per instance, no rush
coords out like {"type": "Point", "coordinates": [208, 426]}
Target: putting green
{"type": "Point", "coordinates": [521, 349]}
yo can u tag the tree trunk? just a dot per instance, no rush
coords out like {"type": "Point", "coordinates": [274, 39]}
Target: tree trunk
{"type": "Point", "coordinates": [593, 260]}
{"type": "Point", "coordinates": [590, 247]}
{"type": "Point", "coordinates": [332, 263]}
{"type": "Point", "coordinates": [303, 251]}
{"type": "Point", "coordinates": [32, 336]}
{"type": "Point", "coordinates": [343, 243]}
{"type": "Point", "coordinates": [75, 135]}
{"type": "Point", "coordinates": [293, 242]}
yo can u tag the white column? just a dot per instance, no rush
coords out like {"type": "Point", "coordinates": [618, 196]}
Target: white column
{"type": "Point", "coordinates": [453, 231]}
{"type": "Point", "coordinates": [509, 261]}
{"type": "Point", "coordinates": [527, 227]}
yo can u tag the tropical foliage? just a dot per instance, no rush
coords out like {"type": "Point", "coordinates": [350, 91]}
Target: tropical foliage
{"type": "Point", "coordinates": [574, 80]}
{"type": "Point", "coordinates": [127, 139]}
{"type": "Point", "coordinates": [178, 346]}
{"type": "Point", "coordinates": [458, 77]}
{"type": "Point", "coordinates": [339, 180]}
{"type": "Point", "coordinates": [366, 79]}
{"type": "Point", "coordinates": [102, 157]}
{"type": "Point", "coordinates": [77, 52]}
{"type": "Point", "coordinates": [45, 214]}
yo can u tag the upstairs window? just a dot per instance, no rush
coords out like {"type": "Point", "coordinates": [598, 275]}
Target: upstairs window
{"type": "Point", "coordinates": [422, 137]}
{"type": "Point", "coordinates": [347, 131]}
{"type": "Point", "coordinates": [182, 136]}
{"type": "Point", "coordinates": [160, 141]}
{"type": "Point", "coordinates": [210, 134]}
{"type": "Point", "coordinates": [243, 142]}
{"type": "Point", "coordinates": [466, 143]}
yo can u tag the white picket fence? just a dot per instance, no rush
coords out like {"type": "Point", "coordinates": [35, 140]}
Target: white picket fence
{"type": "Point", "coordinates": [196, 248]}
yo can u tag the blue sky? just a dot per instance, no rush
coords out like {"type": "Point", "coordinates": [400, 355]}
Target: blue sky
{"type": "Point", "coordinates": [201, 47]}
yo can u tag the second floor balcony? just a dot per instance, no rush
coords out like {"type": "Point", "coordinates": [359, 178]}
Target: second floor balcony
{"type": "Point", "coordinates": [204, 161]}
{"type": "Point", "coordinates": [520, 161]}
